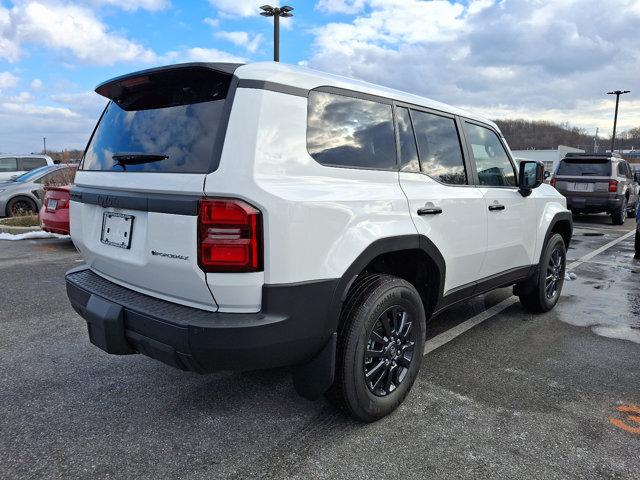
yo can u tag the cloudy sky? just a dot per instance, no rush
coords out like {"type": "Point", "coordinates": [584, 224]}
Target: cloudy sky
{"type": "Point", "coordinates": [535, 59]}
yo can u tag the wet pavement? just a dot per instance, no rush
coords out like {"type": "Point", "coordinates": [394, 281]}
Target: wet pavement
{"type": "Point", "coordinates": [517, 396]}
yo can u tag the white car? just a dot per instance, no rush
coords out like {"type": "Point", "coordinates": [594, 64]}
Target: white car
{"type": "Point", "coordinates": [263, 215]}
{"type": "Point", "coordinates": [15, 165]}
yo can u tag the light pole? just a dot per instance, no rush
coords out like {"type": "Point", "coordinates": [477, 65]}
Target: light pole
{"type": "Point", "coordinates": [44, 140]}
{"type": "Point", "coordinates": [617, 93]}
{"type": "Point", "coordinates": [276, 13]}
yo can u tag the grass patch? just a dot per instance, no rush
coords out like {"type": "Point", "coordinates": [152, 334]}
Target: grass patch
{"type": "Point", "coordinates": [23, 221]}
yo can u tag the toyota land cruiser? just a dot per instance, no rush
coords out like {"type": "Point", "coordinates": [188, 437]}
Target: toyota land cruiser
{"type": "Point", "coordinates": [595, 183]}
{"type": "Point", "coordinates": [253, 216]}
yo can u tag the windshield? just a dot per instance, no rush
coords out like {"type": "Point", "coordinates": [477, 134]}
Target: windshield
{"type": "Point", "coordinates": [165, 122]}
{"type": "Point", "coordinates": [579, 168]}
{"type": "Point", "coordinates": [33, 174]}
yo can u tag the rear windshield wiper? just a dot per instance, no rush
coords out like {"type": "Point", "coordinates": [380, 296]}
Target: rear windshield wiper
{"type": "Point", "coordinates": [133, 158]}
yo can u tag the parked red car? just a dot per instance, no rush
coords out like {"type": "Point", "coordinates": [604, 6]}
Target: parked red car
{"type": "Point", "coordinates": [54, 214]}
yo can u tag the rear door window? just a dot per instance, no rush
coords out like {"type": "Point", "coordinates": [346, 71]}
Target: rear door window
{"type": "Point", "coordinates": [585, 167]}
{"type": "Point", "coordinates": [351, 132]}
{"type": "Point", "coordinates": [439, 147]}
{"type": "Point", "coordinates": [8, 164]}
{"type": "Point", "coordinates": [28, 164]}
{"type": "Point", "coordinates": [162, 122]}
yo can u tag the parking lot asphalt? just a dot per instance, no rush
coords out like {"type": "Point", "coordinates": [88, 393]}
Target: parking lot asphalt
{"type": "Point", "coordinates": [517, 396]}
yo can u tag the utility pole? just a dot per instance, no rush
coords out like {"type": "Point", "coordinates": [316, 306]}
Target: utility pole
{"type": "Point", "coordinates": [596, 147]}
{"type": "Point", "coordinates": [44, 140]}
{"type": "Point", "coordinates": [617, 93]}
{"type": "Point", "coordinates": [276, 13]}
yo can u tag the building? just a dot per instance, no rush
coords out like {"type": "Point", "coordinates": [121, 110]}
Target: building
{"type": "Point", "coordinates": [550, 158]}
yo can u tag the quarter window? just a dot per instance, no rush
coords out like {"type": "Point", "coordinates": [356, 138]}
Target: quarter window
{"type": "Point", "coordinates": [408, 150]}
{"type": "Point", "coordinates": [350, 132]}
{"type": "Point", "coordinates": [492, 162]}
{"type": "Point", "coordinates": [439, 148]}
{"type": "Point", "coordinates": [8, 165]}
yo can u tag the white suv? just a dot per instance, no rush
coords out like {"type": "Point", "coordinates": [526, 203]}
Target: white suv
{"type": "Point", "coordinates": [253, 216]}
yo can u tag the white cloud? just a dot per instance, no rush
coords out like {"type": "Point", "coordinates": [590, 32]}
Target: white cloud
{"type": "Point", "coordinates": [36, 84]}
{"type": "Point", "coordinates": [132, 5]}
{"type": "Point", "coordinates": [8, 80]}
{"type": "Point", "coordinates": [237, 8]}
{"type": "Point", "coordinates": [242, 39]}
{"type": "Point", "coordinates": [533, 58]}
{"type": "Point", "coordinates": [67, 28]}
{"type": "Point", "coordinates": [22, 97]}
{"type": "Point", "coordinates": [212, 22]}
{"type": "Point", "coordinates": [199, 54]}
{"type": "Point", "coordinates": [340, 6]}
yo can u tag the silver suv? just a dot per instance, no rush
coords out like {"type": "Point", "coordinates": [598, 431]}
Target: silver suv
{"type": "Point", "coordinates": [595, 183]}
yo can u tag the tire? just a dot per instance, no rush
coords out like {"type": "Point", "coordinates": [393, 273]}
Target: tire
{"type": "Point", "coordinates": [631, 213]}
{"type": "Point", "coordinates": [618, 217]}
{"type": "Point", "coordinates": [537, 295]}
{"type": "Point", "coordinates": [379, 308]}
{"type": "Point", "coordinates": [21, 206]}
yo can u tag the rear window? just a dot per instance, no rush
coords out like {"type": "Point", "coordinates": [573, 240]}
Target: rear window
{"type": "Point", "coordinates": [595, 167]}
{"type": "Point", "coordinates": [166, 121]}
{"type": "Point", "coordinates": [350, 132]}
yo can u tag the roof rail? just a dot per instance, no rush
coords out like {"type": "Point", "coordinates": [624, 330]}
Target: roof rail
{"type": "Point", "coordinates": [592, 155]}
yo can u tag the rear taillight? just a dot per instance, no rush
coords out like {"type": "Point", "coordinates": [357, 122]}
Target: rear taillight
{"type": "Point", "coordinates": [613, 186]}
{"type": "Point", "coordinates": [553, 182]}
{"type": "Point", "coordinates": [229, 236]}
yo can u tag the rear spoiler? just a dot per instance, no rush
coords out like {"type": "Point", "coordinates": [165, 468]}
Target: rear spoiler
{"type": "Point", "coordinates": [113, 88]}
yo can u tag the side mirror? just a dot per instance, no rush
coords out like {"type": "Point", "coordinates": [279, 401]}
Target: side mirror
{"type": "Point", "coordinates": [636, 176]}
{"type": "Point", "coordinates": [530, 176]}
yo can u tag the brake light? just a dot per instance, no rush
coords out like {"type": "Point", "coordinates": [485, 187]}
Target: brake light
{"type": "Point", "coordinates": [229, 236]}
{"type": "Point", "coordinates": [553, 182]}
{"type": "Point", "coordinates": [613, 186]}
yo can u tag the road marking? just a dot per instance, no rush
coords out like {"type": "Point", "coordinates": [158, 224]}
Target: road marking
{"type": "Point", "coordinates": [445, 337]}
{"type": "Point", "coordinates": [598, 251]}
{"type": "Point", "coordinates": [630, 410]}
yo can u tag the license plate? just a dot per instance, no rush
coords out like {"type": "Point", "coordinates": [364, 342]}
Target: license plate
{"type": "Point", "coordinates": [582, 187]}
{"type": "Point", "coordinates": [116, 229]}
{"type": "Point", "coordinates": [52, 204]}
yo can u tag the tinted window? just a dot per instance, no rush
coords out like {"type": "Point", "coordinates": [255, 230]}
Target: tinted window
{"type": "Point", "coordinates": [173, 114]}
{"type": "Point", "coordinates": [8, 165]}
{"type": "Point", "coordinates": [31, 163]}
{"type": "Point", "coordinates": [439, 148]}
{"type": "Point", "coordinates": [350, 132]}
{"type": "Point", "coordinates": [492, 162]}
{"type": "Point", "coordinates": [408, 150]}
{"type": "Point", "coordinates": [585, 167]}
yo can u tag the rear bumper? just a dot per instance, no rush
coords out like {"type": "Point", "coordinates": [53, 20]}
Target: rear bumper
{"type": "Point", "coordinates": [594, 204]}
{"type": "Point", "coordinates": [54, 222]}
{"type": "Point", "coordinates": [292, 328]}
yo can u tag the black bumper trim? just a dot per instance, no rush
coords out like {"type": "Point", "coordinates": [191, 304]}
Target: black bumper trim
{"type": "Point", "coordinates": [292, 328]}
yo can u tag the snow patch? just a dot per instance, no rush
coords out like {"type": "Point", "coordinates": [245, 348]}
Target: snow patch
{"type": "Point", "coordinates": [31, 235]}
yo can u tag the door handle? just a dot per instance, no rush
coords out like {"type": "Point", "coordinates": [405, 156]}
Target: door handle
{"type": "Point", "coordinates": [429, 211]}
{"type": "Point", "coordinates": [496, 206]}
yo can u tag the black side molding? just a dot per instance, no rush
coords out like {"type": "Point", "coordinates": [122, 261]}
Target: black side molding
{"type": "Point", "coordinates": [145, 202]}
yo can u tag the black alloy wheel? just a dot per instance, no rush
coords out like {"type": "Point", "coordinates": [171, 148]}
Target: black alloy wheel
{"type": "Point", "coordinates": [389, 351]}
{"type": "Point", "coordinates": [20, 207]}
{"type": "Point", "coordinates": [554, 273]}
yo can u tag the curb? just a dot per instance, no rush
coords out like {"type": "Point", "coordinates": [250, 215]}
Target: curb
{"type": "Point", "coordinates": [17, 230]}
